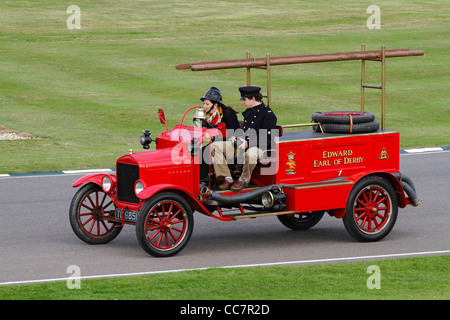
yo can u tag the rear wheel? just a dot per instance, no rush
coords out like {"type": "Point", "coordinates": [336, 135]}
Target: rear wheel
{"type": "Point", "coordinates": [372, 209]}
{"type": "Point", "coordinates": [88, 215]}
{"type": "Point", "coordinates": [164, 225]}
{"type": "Point", "coordinates": [301, 220]}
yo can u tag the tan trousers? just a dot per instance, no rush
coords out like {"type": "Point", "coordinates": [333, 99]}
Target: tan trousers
{"type": "Point", "coordinates": [223, 153]}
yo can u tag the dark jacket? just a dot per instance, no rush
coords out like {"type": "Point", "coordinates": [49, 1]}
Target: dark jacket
{"type": "Point", "coordinates": [230, 118]}
{"type": "Point", "coordinates": [257, 118]}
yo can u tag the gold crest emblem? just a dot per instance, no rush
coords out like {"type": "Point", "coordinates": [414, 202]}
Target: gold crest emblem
{"type": "Point", "coordinates": [291, 163]}
{"type": "Point", "coordinates": [383, 155]}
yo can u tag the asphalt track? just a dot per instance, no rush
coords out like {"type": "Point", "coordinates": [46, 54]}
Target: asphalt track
{"type": "Point", "coordinates": [37, 243]}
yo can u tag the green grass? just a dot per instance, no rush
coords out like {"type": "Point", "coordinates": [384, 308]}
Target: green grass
{"type": "Point", "coordinates": [424, 278]}
{"type": "Point", "coordinates": [88, 93]}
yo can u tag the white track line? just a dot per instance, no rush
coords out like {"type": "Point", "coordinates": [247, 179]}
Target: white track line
{"type": "Point", "coordinates": [335, 260]}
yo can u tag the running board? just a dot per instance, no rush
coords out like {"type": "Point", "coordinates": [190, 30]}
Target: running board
{"type": "Point", "coordinates": [256, 214]}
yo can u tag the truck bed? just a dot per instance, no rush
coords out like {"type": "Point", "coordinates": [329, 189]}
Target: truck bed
{"type": "Point", "coordinates": [311, 135]}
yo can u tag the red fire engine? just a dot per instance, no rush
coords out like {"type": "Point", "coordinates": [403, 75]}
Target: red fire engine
{"type": "Point", "coordinates": [346, 165]}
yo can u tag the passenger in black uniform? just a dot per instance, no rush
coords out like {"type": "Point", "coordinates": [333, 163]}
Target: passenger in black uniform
{"type": "Point", "coordinates": [257, 136]}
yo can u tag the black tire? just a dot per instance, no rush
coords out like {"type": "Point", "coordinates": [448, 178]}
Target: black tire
{"type": "Point", "coordinates": [343, 117]}
{"type": "Point", "coordinates": [372, 209]}
{"type": "Point", "coordinates": [301, 220]}
{"type": "Point", "coordinates": [363, 127]}
{"type": "Point", "coordinates": [164, 224]}
{"type": "Point", "coordinates": [88, 209]}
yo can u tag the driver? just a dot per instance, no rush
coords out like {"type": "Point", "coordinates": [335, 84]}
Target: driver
{"type": "Point", "coordinates": [216, 112]}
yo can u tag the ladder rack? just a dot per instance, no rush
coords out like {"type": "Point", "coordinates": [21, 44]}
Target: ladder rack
{"type": "Point", "coordinates": [382, 87]}
{"type": "Point", "coordinates": [268, 62]}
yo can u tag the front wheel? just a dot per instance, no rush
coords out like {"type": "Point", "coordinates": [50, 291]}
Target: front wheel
{"type": "Point", "coordinates": [164, 225]}
{"type": "Point", "coordinates": [89, 213]}
{"type": "Point", "coordinates": [372, 209]}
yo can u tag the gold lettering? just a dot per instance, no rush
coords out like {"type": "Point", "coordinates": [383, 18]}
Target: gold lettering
{"type": "Point", "coordinates": [353, 160]}
{"type": "Point", "coordinates": [334, 154]}
{"type": "Point", "coordinates": [342, 157]}
{"type": "Point", "coordinates": [323, 163]}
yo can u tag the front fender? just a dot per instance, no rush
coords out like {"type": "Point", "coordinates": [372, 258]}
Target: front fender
{"type": "Point", "coordinates": [94, 178]}
{"type": "Point", "coordinates": [148, 192]}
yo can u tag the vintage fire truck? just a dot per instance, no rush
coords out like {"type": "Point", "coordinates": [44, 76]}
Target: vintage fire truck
{"type": "Point", "coordinates": [345, 164]}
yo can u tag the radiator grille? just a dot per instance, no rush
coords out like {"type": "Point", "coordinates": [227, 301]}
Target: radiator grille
{"type": "Point", "coordinates": [127, 175]}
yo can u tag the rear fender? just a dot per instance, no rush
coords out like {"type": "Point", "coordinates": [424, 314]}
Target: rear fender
{"type": "Point", "coordinates": [402, 201]}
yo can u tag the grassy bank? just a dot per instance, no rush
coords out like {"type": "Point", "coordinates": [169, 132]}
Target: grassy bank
{"type": "Point", "coordinates": [424, 278]}
{"type": "Point", "coordinates": [88, 93]}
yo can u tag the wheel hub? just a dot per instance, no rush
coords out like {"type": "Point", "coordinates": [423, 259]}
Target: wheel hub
{"type": "Point", "coordinates": [97, 212]}
{"type": "Point", "coordinates": [165, 225]}
{"type": "Point", "coordinates": [373, 210]}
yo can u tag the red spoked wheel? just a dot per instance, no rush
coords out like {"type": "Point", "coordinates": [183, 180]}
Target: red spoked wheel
{"type": "Point", "coordinates": [372, 209]}
{"type": "Point", "coordinates": [301, 220]}
{"type": "Point", "coordinates": [164, 225]}
{"type": "Point", "coordinates": [89, 213]}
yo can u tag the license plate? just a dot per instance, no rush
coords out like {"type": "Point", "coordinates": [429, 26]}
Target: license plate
{"type": "Point", "coordinates": [128, 215]}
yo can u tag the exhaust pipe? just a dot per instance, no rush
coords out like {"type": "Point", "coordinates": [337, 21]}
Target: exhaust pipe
{"type": "Point", "coordinates": [409, 188]}
{"type": "Point", "coordinates": [269, 196]}
{"type": "Point", "coordinates": [403, 177]}
{"type": "Point", "coordinates": [411, 194]}
{"type": "Point", "coordinates": [274, 200]}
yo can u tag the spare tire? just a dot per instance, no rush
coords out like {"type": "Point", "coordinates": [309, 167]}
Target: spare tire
{"type": "Point", "coordinates": [363, 127]}
{"type": "Point", "coordinates": [345, 117]}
